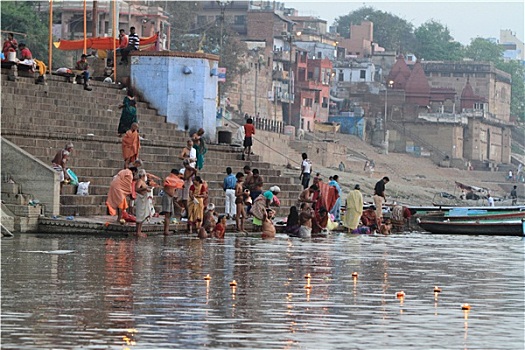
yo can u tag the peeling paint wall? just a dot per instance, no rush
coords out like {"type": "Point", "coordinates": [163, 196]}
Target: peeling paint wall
{"type": "Point", "coordinates": [184, 89]}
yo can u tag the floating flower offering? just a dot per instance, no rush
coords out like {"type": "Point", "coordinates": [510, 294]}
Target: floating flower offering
{"type": "Point", "coordinates": [437, 289]}
{"type": "Point", "coordinates": [207, 277]}
{"type": "Point", "coordinates": [355, 274]}
{"type": "Point", "coordinates": [233, 283]}
{"type": "Point", "coordinates": [400, 294]}
{"type": "Point", "coordinates": [307, 276]}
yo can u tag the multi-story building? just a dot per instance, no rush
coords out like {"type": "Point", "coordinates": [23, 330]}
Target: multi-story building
{"type": "Point", "coordinates": [312, 92]}
{"type": "Point", "coordinates": [458, 109]}
{"type": "Point", "coordinates": [514, 47]}
{"type": "Point", "coordinates": [145, 18]}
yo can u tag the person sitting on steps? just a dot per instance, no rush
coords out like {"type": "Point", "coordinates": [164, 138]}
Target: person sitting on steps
{"type": "Point", "coordinates": [83, 66]}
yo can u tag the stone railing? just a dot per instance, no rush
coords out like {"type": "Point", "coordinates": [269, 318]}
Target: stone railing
{"type": "Point", "coordinates": [34, 176]}
{"type": "Point", "coordinates": [268, 125]}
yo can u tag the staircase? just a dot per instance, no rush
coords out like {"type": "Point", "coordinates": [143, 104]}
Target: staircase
{"type": "Point", "coordinates": [41, 119]}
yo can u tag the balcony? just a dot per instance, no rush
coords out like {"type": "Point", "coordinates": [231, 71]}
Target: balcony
{"type": "Point", "coordinates": [281, 75]}
{"type": "Point", "coordinates": [280, 55]}
{"type": "Point", "coordinates": [310, 85]}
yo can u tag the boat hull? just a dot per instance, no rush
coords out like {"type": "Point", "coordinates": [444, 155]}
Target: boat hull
{"type": "Point", "coordinates": [488, 215]}
{"type": "Point", "coordinates": [478, 227]}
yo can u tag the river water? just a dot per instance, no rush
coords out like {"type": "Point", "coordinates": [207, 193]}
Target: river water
{"type": "Point", "coordinates": [123, 293]}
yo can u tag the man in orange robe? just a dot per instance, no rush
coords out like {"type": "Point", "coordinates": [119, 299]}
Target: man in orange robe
{"type": "Point", "coordinates": [131, 145]}
{"type": "Point", "coordinates": [119, 189]}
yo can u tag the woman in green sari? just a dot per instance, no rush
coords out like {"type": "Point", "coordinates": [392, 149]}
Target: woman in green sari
{"type": "Point", "coordinates": [200, 147]}
{"type": "Point", "coordinates": [129, 113]}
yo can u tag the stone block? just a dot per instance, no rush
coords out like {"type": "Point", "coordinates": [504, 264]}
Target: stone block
{"type": "Point", "coordinates": [18, 199]}
{"type": "Point", "coordinates": [10, 188]}
{"type": "Point", "coordinates": [26, 210]}
{"type": "Point", "coordinates": [25, 224]}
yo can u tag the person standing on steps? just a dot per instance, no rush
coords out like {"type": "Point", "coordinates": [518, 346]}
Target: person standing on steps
{"type": "Point", "coordinates": [514, 195]}
{"type": "Point", "coordinates": [200, 147]}
{"type": "Point", "coordinates": [133, 45]}
{"type": "Point", "coordinates": [380, 197]}
{"type": "Point", "coordinates": [228, 185]}
{"type": "Point", "coordinates": [306, 170]}
{"type": "Point", "coordinates": [119, 189]}
{"type": "Point", "coordinates": [171, 184]}
{"type": "Point", "coordinates": [129, 112]}
{"type": "Point", "coordinates": [189, 153]}
{"type": "Point", "coordinates": [83, 66]}
{"type": "Point", "coordinates": [10, 45]}
{"type": "Point", "coordinates": [142, 211]}
{"type": "Point", "coordinates": [249, 131]}
{"type": "Point", "coordinates": [131, 145]}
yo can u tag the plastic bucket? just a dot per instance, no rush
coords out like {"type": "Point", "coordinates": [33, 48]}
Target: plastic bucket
{"type": "Point", "coordinates": [11, 56]}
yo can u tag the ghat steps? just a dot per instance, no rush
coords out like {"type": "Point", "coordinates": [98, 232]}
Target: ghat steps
{"type": "Point", "coordinates": [41, 119]}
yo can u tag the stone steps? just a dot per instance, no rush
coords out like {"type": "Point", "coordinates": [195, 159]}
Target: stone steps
{"type": "Point", "coordinates": [41, 119]}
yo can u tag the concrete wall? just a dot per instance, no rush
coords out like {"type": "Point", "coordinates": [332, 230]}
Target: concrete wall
{"type": "Point", "coordinates": [181, 86]}
{"type": "Point", "coordinates": [34, 176]}
{"type": "Point", "coordinates": [283, 149]}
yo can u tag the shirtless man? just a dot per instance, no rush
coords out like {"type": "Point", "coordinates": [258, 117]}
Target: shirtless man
{"type": "Point", "coordinates": [305, 220]}
{"type": "Point", "coordinates": [306, 195]}
{"type": "Point", "coordinates": [171, 184]}
{"type": "Point", "coordinates": [268, 228]}
{"type": "Point", "coordinates": [189, 173]}
{"type": "Point", "coordinates": [189, 153]}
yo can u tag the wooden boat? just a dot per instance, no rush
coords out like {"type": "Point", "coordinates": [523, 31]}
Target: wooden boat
{"type": "Point", "coordinates": [472, 214]}
{"type": "Point", "coordinates": [422, 210]}
{"type": "Point", "coordinates": [477, 226]}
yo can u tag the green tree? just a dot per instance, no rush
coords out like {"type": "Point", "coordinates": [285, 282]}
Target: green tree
{"type": "Point", "coordinates": [481, 49]}
{"type": "Point", "coordinates": [436, 44]}
{"type": "Point", "coordinates": [188, 36]}
{"type": "Point", "coordinates": [21, 17]}
{"type": "Point", "coordinates": [390, 31]}
{"type": "Point", "coordinates": [517, 97]}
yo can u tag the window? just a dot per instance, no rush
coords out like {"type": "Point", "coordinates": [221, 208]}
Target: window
{"type": "Point", "coordinates": [458, 75]}
{"type": "Point", "coordinates": [310, 75]}
{"type": "Point", "coordinates": [445, 74]}
{"type": "Point", "coordinates": [319, 55]}
{"type": "Point", "coordinates": [239, 20]}
{"type": "Point", "coordinates": [362, 74]}
{"type": "Point", "coordinates": [341, 75]}
{"type": "Point", "coordinates": [325, 102]}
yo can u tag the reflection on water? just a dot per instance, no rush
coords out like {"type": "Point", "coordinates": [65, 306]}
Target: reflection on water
{"type": "Point", "coordinates": [151, 293]}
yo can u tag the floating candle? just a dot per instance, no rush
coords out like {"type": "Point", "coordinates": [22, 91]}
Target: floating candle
{"type": "Point", "coordinates": [233, 283]}
{"type": "Point", "coordinates": [307, 276]}
{"type": "Point", "coordinates": [400, 294]}
{"type": "Point", "coordinates": [465, 307]}
{"type": "Point", "coordinates": [355, 274]}
{"type": "Point", "coordinates": [308, 286]}
{"type": "Point", "coordinates": [437, 289]}
{"type": "Point", "coordinates": [207, 277]}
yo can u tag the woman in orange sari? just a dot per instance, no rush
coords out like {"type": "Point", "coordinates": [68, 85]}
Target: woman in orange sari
{"type": "Point", "coordinates": [131, 145]}
{"type": "Point", "coordinates": [196, 204]}
{"type": "Point", "coordinates": [119, 189]}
